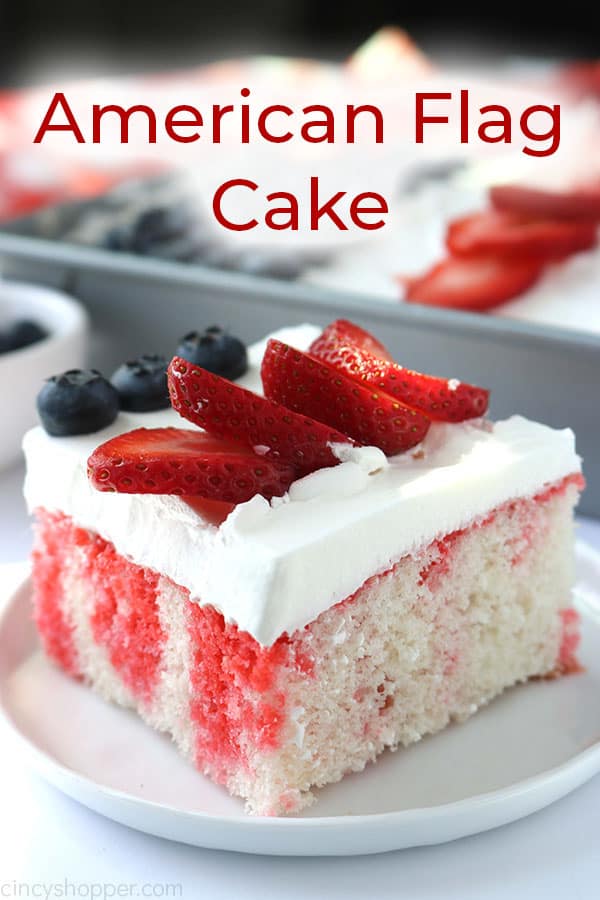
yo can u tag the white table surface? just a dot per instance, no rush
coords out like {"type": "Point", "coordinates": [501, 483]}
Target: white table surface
{"type": "Point", "coordinates": [51, 846]}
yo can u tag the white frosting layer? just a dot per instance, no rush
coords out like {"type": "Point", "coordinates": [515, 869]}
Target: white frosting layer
{"type": "Point", "coordinates": [273, 567]}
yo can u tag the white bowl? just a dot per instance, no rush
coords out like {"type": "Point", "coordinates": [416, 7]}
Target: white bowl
{"type": "Point", "coordinates": [23, 372]}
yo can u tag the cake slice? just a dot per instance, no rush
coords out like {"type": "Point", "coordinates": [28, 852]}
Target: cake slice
{"type": "Point", "coordinates": [285, 642]}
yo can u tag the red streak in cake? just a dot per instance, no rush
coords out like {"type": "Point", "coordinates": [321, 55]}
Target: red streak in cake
{"type": "Point", "coordinates": [560, 487]}
{"type": "Point", "coordinates": [236, 687]}
{"type": "Point", "coordinates": [571, 637]}
{"type": "Point", "coordinates": [568, 664]}
{"type": "Point", "coordinates": [235, 682]}
{"type": "Point", "coordinates": [55, 535]}
{"type": "Point", "coordinates": [125, 618]}
{"type": "Point", "coordinates": [433, 573]}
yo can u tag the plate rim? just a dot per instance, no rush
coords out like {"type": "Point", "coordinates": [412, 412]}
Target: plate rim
{"type": "Point", "coordinates": [532, 791]}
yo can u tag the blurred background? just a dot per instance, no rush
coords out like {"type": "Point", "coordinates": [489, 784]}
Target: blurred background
{"type": "Point", "coordinates": [67, 35]}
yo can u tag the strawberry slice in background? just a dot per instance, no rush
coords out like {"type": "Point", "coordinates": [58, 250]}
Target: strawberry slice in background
{"type": "Point", "coordinates": [581, 79]}
{"type": "Point", "coordinates": [475, 284]}
{"type": "Point", "coordinates": [229, 411]}
{"type": "Point", "coordinates": [306, 385]}
{"type": "Point", "coordinates": [581, 203]}
{"type": "Point", "coordinates": [510, 234]}
{"type": "Point", "coordinates": [440, 399]}
{"type": "Point", "coordinates": [180, 461]}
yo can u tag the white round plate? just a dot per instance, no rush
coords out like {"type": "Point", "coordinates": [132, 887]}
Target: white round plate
{"type": "Point", "coordinates": [531, 746]}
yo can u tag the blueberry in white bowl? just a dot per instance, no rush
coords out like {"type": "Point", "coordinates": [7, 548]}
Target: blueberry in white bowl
{"type": "Point", "coordinates": [215, 350]}
{"type": "Point", "coordinates": [158, 225]}
{"type": "Point", "coordinates": [23, 333]}
{"type": "Point", "coordinates": [78, 401]}
{"type": "Point", "coordinates": [23, 368]}
{"type": "Point", "coordinates": [142, 384]}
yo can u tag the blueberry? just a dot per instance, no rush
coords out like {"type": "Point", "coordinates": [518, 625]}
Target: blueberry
{"type": "Point", "coordinates": [117, 238]}
{"type": "Point", "coordinates": [21, 334]}
{"type": "Point", "coordinates": [158, 224]}
{"type": "Point", "coordinates": [142, 384]}
{"type": "Point", "coordinates": [77, 402]}
{"type": "Point", "coordinates": [215, 350]}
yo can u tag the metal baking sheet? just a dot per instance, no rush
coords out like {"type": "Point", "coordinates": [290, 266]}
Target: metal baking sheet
{"type": "Point", "coordinates": [144, 305]}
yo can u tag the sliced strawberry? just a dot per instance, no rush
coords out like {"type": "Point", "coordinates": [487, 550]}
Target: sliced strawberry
{"type": "Point", "coordinates": [345, 333]}
{"type": "Point", "coordinates": [446, 401]}
{"type": "Point", "coordinates": [579, 203]}
{"type": "Point", "coordinates": [180, 461]}
{"type": "Point", "coordinates": [581, 79]}
{"type": "Point", "coordinates": [473, 284]}
{"type": "Point", "coordinates": [306, 385]}
{"type": "Point", "coordinates": [510, 234]}
{"type": "Point", "coordinates": [227, 410]}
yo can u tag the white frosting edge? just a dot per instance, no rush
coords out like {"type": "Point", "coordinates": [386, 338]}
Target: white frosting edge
{"type": "Point", "coordinates": [274, 567]}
